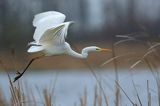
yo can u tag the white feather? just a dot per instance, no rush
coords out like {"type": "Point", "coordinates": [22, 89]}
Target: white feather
{"type": "Point", "coordinates": [33, 49]}
{"type": "Point", "coordinates": [45, 21]}
{"type": "Point", "coordinates": [51, 34]}
{"type": "Point", "coordinates": [47, 17]}
{"type": "Point", "coordinates": [55, 35]}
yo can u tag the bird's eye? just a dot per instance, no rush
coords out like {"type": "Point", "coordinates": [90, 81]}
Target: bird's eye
{"type": "Point", "coordinates": [97, 49]}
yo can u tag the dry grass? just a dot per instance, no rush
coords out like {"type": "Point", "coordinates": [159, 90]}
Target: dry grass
{"type": "Point", "coordinates": [19, 97]}
{"type": "Point", "coordinates": [22, 95]}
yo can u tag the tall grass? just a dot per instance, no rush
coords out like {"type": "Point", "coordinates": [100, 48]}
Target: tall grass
{"type": "Point", "coordinates": [23, 95]}
{"type": "Point", "coordinates": [152, 50]}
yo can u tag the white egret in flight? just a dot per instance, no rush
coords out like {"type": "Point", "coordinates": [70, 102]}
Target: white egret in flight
{"type": "Point", "coordinates": [49, 36]}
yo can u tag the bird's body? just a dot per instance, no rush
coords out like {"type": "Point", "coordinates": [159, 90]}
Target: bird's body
{"type": "Point", "coordinates": [49, 36]}
{"type": "Point", "coordinates": [51, 41]}
{"type": "Point", "coordinates": [54, 50]}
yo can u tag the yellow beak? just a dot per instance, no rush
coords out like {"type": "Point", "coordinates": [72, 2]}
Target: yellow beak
{"type": "Point", "coordinates": [105, 50]}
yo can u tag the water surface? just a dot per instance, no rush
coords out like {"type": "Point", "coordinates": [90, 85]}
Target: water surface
{"type": "Point", "coordinates": [70, 86]}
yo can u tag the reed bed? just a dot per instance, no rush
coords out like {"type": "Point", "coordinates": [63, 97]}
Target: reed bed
{"type": "Point", "coordinates": [23, 95]}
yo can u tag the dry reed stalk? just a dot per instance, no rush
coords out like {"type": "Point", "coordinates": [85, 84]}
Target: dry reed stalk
{"type": "Point", "coordinates": [148, 94]}
{"type": "Point", "coordinates": [31, 97]}
{"type": "Point", "coordinates": [48, 93]}
{"type": "Point", "coordinates": [130, 37]}
{"type": "Point", "coordinates": [93, 73]}
{"type": "Point", "coordinates": [16, 96]}
{"type": "Point", "coordinates": [153, 69]}
{"type": "Point", "coordinates": [54, 87]}
{"type": "Point", "coordinates": [114, 58]}
{"type": "Point", "coordinates": [3, 101]}
{"type": "Point", "coordinates": [75, 104]}
{"type": "Point", "coordinates": [39, 92]}
{"type": "Point", "coordinates": [107, 103]}
{"type": "Point", "coordinates": [98, 81]}
{"type": "Point", "coordinates": [83, 99]}
{"type": "Point", "coordinates": [150, 50]}
{"type": "Point", "coordinates": [139, 100]}
{"type": "Point", "coordinates": [13, 91]}
{"type": "Point", "coordinates": [47, 98]}
{"type": "Point", "coordinates": [117, 94]}
{"type": "Point", "coordinates": [20, 96]}
{"type": "Point", "coordinates": [100, 98]}
{"type": "Point", "coordinates": [95, 96]}
{"type": "Point", "coordinates": [154, 46]}
{"type": "Point", "coordinates": [142, 59]}
{"type": "Point", "coordinates": [115, 65]}
{"type": "Point", "coordinates": [125, 93]}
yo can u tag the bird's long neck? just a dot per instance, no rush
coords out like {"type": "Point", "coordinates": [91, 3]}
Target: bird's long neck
{"type": "Point", "coordinates": [84, 53]}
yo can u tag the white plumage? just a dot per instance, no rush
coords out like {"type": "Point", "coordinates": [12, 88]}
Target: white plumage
{"type": "Point", "coordinates": [49, 38]}
{"type": "Point", "coordinates": [50, 28]}
{"type": "Point", "coordinates": [48, 18]}
{"type": "Point", "coordinates": [50, 34]}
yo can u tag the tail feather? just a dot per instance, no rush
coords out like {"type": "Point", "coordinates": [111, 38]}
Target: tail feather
{"type": "Point", "coordinates": [33, 49]}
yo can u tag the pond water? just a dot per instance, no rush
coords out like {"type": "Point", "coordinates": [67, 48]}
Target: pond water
{"type": "Point", "coordinates": [70, 85]}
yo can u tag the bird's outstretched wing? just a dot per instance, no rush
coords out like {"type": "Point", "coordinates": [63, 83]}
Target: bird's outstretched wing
{"type": "Point", "coordinates": [48, 18]}
{"type": "Point", "coordinates": [55, 35]}
{"type": "Point", "coordinates": [45, 21]}
{"type": "Point", "coordinates": [51, 34]}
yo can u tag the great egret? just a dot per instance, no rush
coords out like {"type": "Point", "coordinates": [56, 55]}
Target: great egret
{"type": "Point", "coordinates": [49, 36]}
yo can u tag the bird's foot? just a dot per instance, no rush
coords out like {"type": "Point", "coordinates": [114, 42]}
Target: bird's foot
{"type": "Point", "coordinates": [19, 75]}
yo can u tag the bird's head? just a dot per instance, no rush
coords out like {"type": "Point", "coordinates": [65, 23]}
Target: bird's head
{"type": "Point", "coordinates": [102, 49]}
{"type": "Point", "coordinates": [96, 49]}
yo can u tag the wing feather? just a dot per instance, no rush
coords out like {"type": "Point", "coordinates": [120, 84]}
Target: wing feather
{"type": "Point", "coordinates": [55, 35]}
{"type": "Point", "coordinates": [35, 49]}
{"type": "Point", "coordinates": [49, 18]}
{"type": "Point", "coordinates": [45, 21]}
{"type": "Point", "coordinates": [51, 34]}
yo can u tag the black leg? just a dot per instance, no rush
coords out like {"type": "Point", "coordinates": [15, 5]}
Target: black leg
{"type": "Point", "coordinates": [19, 75]}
